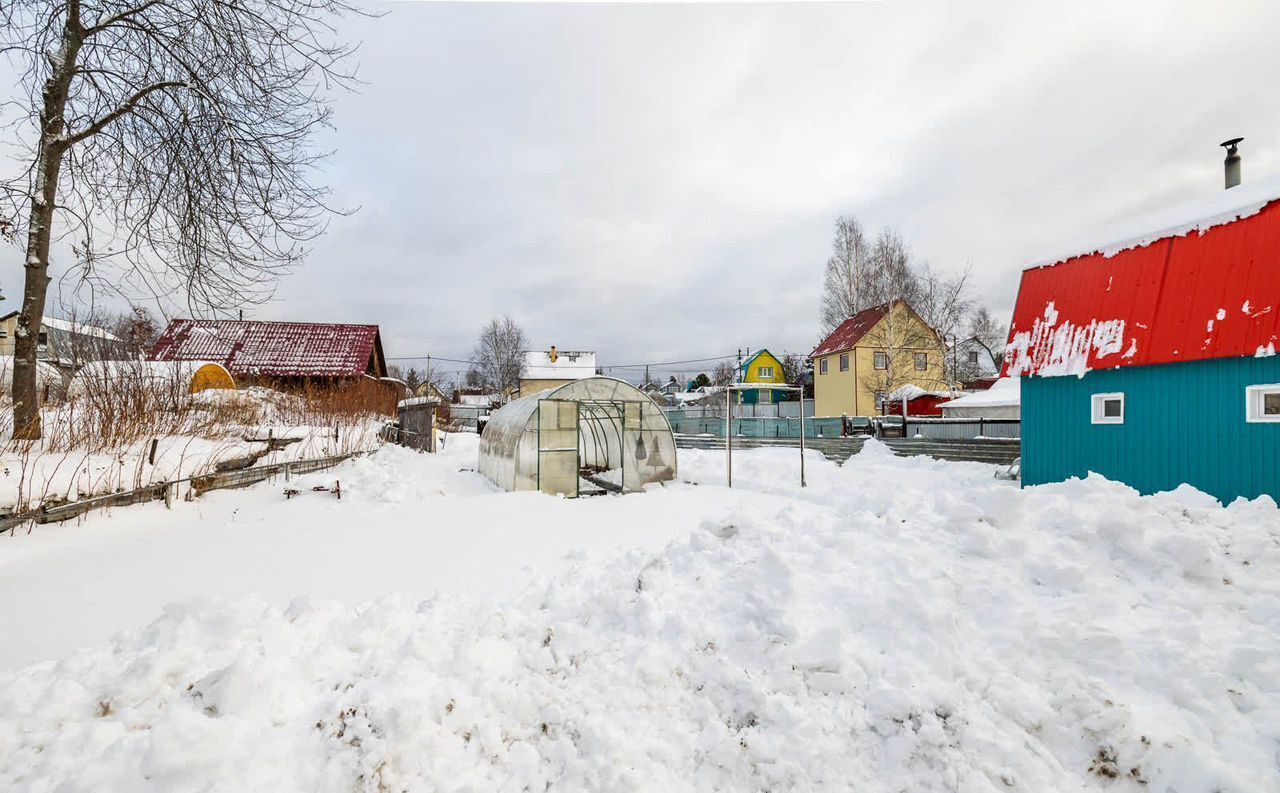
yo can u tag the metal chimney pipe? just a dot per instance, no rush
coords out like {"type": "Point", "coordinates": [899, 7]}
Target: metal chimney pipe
{"type": "Point", "coordinates": [1231, 165]}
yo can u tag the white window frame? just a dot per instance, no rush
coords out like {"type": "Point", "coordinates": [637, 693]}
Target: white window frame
{"type": "Point", "coordinates": [765, 371]}
{"type": "Point", "coordinates": [876, 358]}
{"type": "Point", "coordinates": [1253, 396]}
{"type": "Point", "coordinates": [973, 357]}
{"type": "Point", "coordinates": [844, 361]}
{"type": "Point", "coordinates": [822, 366]}
{"type": "Point", "coordinates": [1098, 402]}
{"type": "Point", "coordinates": [917, 360]}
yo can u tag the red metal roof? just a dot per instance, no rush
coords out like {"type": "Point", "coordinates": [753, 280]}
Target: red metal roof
{"type": "Point", "coordinates": [274, 349]}
{"type": "Point", "coordinates": [1214, 293]}
{"type": "Point", "coordinates": [851, 331]}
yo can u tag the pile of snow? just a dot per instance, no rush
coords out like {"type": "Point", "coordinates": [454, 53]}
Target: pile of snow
{"type": "Point", "coordinates": [948, 632]}
{"type": "Point", "coordinates": [47, 377]}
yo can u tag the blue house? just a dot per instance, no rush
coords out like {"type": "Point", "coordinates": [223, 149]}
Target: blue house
{"type": "Point", "coordinates": [1152, 361]}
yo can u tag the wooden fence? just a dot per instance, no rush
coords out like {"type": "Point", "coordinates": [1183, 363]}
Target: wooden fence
{"type": "Point", "coordinates": [167, 491]}
{"type": "Point", "coordinates": [996, 452]}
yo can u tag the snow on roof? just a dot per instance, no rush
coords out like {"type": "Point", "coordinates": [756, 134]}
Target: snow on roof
{"type": "Point", "coordinates": [1178, 220]}
{"type": "Point", "coordinates": [477, 400]}
{"type": "Point", "coordinates": [568, 365]}
{"type": "Point", "coordinates": [912, 391]}
{"type": "Point", "coordinates": [1005, 392]}
{"type": "Point", "coordinates": [275, 349]}
{"type": "Point", "coordinates": [1209, 294]}
{"type": "Point", "coordinates": [851, 331]}
{"type": "Point", "coordinates": [422, 400]}
{"type": "Point", "coordinates": [68, 326]}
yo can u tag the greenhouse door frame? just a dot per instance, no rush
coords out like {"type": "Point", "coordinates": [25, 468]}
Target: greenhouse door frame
{"type": "Point", "coordinates": [607, 419]}
{"type": "Point", "coordinates": [558, 450]}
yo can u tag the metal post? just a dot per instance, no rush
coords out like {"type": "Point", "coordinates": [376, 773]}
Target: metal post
{"type": "Point", "coordinates": [802, 482]}
{"type": "Point", "coordinates": [728, 434]}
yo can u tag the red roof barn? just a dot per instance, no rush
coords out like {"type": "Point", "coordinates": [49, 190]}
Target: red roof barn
{"type": "Point", "coordinates": [275, 349]}
{"type": "Point", "coordinates": [1152, 360]}
{"type": "Point", "coordinates": [1205, 287]}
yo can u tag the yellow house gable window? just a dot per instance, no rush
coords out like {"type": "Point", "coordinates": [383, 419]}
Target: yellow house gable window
{"type": "Point", "coordinates": [844, 362]}
{"type": "Point", "coordinates": [922, 361]}
{"type": "Point", "coordinates": [881, 360]}
{"type": "Point", "coordinates": [765, 371]}
{"type": "Point", "coordinates": [822, 366]}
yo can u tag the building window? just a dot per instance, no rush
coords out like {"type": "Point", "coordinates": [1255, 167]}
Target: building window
{"type": "Point", "coordinates": [43, 338]}
{"type": "Point", "coordinates": [822, 366]}
{"type": "Point", "coordinates": [881, 361]}
{"type": "Point", "coordinates": [1262, 403]}
{"type": "Point", "coordinates": [844, 362]}
{"type": "Point", "coordinates": [766, 371]}
{"type": "Point", "coordinates": [922, 361]}
{"type": "Point", "coordinates": [1108, 408]}
{"type": "Point", "coordinates": [973, 357]}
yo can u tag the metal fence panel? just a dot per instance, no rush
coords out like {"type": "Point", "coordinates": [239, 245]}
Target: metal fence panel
{"type": "Point", "coordinates": [963, 429]}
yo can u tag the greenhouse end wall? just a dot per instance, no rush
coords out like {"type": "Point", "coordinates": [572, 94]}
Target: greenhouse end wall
{"type": "Point", "coordinates": [529, 443]}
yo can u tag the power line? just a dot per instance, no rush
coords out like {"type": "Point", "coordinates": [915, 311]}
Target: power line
{"type": "Point", "coordinates": [598, 365]}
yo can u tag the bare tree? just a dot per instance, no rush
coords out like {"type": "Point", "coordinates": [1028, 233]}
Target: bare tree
{"type": "Point", "coordinates": [862, 273]}
{"type": "Point", "coordinates": [172, 138]}
{"type": "Point", "coordinates": [137, 330]}
{"type": "Point", "coordinates": [498, 358]}
{"type": "Point", "coordinates": [944, 303]}
{"type": "Point", "coordinates": [985, 328]}
{"type": "Point", "coordinates": [844, 282]}
{"type": "Point", "coordinates": [724, 374]}
{"type": "Point", "coordinates": [793, 368]}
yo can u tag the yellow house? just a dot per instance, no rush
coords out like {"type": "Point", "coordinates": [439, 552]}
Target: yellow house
{"type": "Point", "coordinates": [874, 352]}
{"type": "Point", "coordinates": [764, 368]}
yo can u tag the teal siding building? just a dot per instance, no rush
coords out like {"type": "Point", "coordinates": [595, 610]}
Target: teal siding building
{"type": "Point", "coordinates": [1182, 423]}
{"type": "Point", "coordinates": [1153, 361]}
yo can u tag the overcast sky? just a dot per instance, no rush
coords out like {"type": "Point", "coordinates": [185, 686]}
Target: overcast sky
{"type": "Point", "coordinates": [659, 182]}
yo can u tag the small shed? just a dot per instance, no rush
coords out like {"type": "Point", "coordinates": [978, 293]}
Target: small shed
{"type": "Point", "coordinates": [1003, 400]}
{"type": "Point", "coordinates": [599, 432]}
{"type": "Point", "coordinates": [418, 423]}
{"type": "Point", "coordinates": [919, 401]}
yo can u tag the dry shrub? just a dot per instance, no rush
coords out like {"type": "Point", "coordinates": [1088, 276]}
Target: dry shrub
{"type": "Point", "coordinates": [112, 406]}
{"type": "Point", "coordinates": [353, 410]}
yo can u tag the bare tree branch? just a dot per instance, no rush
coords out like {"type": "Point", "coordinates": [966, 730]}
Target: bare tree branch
{"type": "Point", "coordinates": [127, 107]}
{"type": "Point", "coordinates": [175, 139]}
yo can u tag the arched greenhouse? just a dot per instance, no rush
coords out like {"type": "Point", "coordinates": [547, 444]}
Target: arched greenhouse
{"type": "Point", "coordinates": [591, 435]}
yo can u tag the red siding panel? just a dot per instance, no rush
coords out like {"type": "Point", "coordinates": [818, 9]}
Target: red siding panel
{"type": "Point", "coordinates": [1210, 294]}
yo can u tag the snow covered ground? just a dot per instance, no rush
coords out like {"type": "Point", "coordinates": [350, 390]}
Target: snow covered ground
{"type": "Point", "coordinates": [900, 625]}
